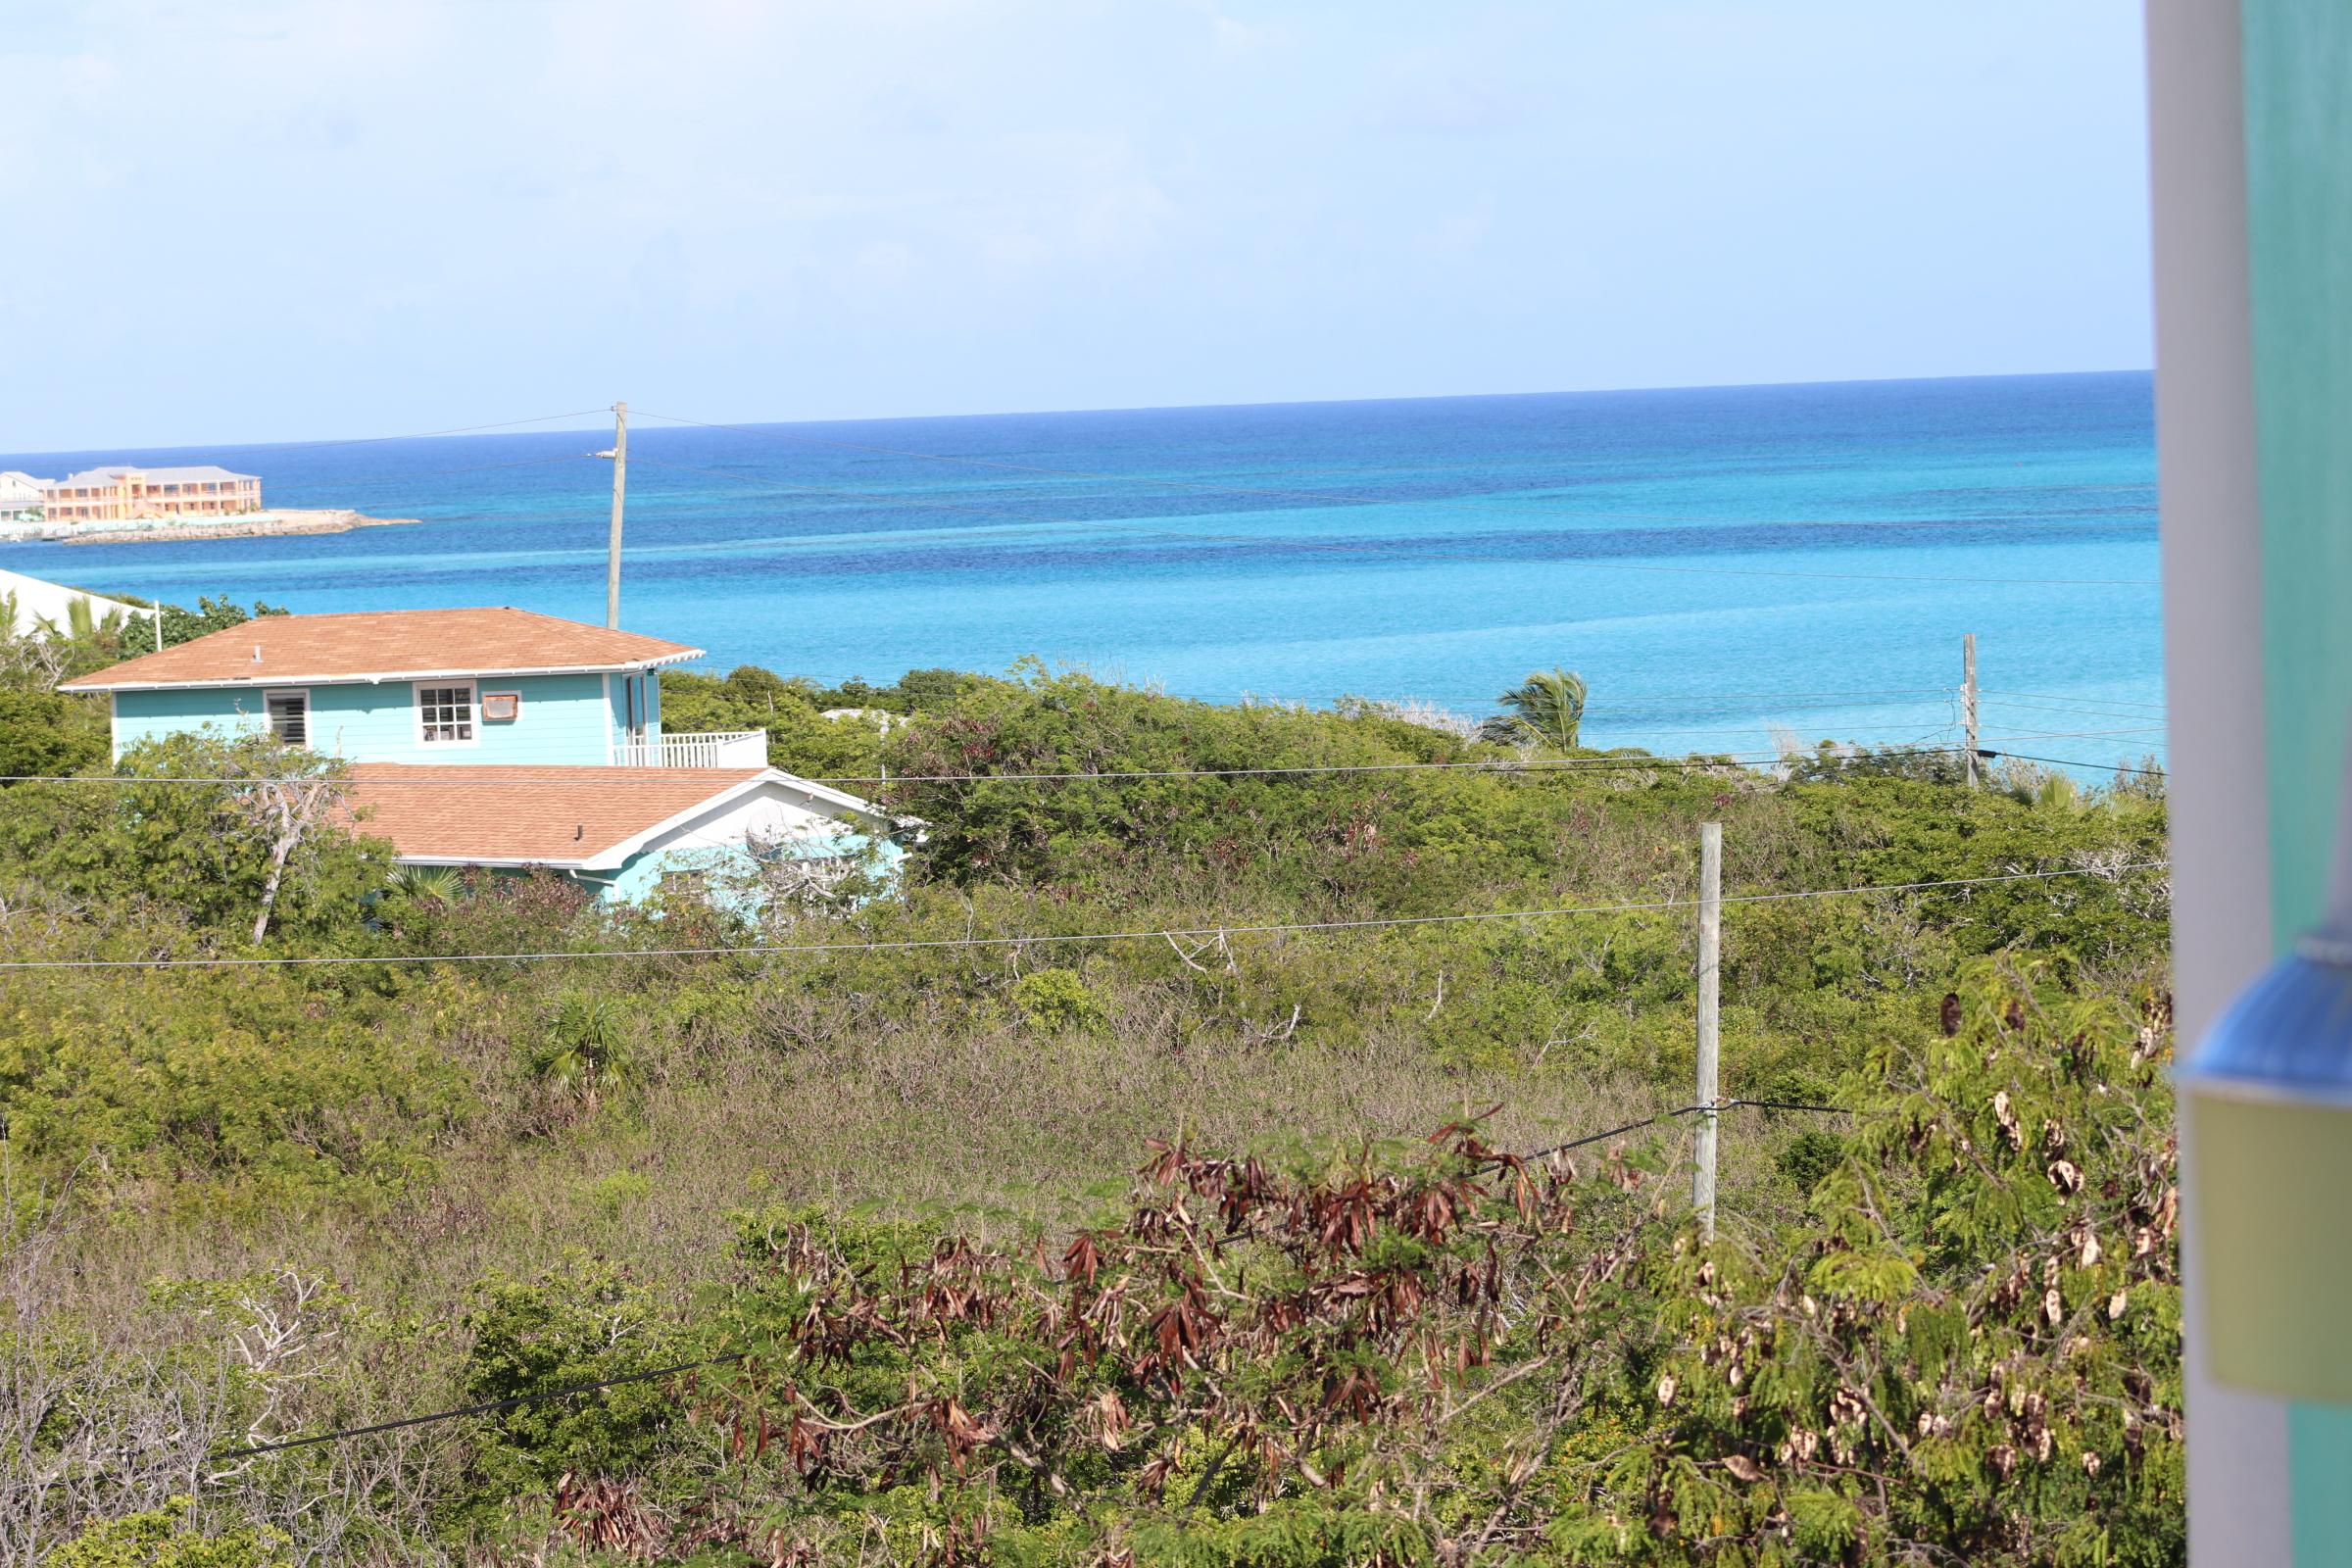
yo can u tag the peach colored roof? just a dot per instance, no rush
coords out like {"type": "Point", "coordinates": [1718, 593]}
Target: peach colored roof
{"type": "Point", "coordinates": [539, 815]}
{"type": "Point", "coordinates": [402, 644]}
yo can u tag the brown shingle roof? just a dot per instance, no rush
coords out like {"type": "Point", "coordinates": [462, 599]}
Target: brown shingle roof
{"type": "Point", "coordinates": [395, 643]}
{"type": "Point", "coordinates": [539, 815]}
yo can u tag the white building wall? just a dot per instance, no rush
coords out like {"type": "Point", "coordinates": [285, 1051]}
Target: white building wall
{"type": "Point", "coordinates": [37, 601]}
{"type": "Point", "coordinates": [716, 840]}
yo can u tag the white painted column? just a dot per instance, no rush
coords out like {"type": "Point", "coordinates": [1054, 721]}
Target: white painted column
{"type": "Point", "coordinates": [2220, 852]}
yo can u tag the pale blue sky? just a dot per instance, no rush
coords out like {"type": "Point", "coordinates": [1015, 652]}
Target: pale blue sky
{"type": "Point", "coordinates": [266, 219]}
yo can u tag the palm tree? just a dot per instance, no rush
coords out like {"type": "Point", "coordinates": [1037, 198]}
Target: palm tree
{"type": "Point", "coordinates": [1546, 710]}
{"type": "Point", "coordinates": [429, 884]}
{"type": "Point", "coordinates": [585, 1050]}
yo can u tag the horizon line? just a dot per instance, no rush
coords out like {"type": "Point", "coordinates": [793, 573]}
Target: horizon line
{"type": "Point", "coordinates": [556, 428]}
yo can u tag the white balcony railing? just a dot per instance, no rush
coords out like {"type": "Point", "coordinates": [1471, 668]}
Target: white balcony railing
{"type": "Point", "coordinates": [744, 748]}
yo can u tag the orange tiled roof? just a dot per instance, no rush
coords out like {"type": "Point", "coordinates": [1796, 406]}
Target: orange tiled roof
{"type": "Point", "coordinates": [397, 643]}
{"type": "Point", "coordinates": [539, 815]}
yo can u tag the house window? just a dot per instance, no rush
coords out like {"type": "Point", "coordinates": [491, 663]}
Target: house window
{"type": "Point", "coordinates": [686, 886]}
{"type": "Point", "coordinates": [445, 715]}
{"type": "Point", "coordinates": [289, 715]}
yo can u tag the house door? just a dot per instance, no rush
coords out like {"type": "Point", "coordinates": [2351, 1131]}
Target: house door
{"type": "Point", "coordinates": [633, 720]}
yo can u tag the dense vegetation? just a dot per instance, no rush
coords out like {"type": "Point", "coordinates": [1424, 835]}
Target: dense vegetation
{"type": "Point", "coordinates": [1228, 1246]}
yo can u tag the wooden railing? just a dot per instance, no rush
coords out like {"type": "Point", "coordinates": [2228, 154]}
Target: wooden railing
{"type": "Point", "coordinates": [744, 748]}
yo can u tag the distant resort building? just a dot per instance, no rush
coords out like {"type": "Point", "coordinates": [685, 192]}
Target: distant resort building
{"type": "Point", "coordinates": [113, 494]}
{"type": "Point", "coordinates": [21, 494]}
{"type": "Point", "coordinates": [508, 741]}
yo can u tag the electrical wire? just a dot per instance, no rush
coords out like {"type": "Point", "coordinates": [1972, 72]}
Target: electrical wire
{"type": "Point", "coordinates": [427, 435]}
{"type": "Point", "coordinates": [656, 775]}
{"type": "Point", "coordinates": [2054, 697]}
{"type": "Point", "coordinates": [1166, 933]}
{"type": "Point", "coordinates": [2091, 710]}
{"type": "Point", "coordinates": [486, 1407]}
{"type": "Point", "coordinates": [2070, 734]}
{"type": "Point", "coordinates": [1615, 699]}
{"type": "Point", "coordinates": [2088, 768]}
{"type": "Point", "coordinates": [1669, 1115]}
{"type": "Point", "coordinates": [622, 777]}
{"type": "Point", "coordinates": [492, 467]}
{"type": "Point", "coordinates": [373, 440]}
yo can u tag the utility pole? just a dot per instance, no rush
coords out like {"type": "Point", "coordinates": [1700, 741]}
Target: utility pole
{"type": "Point", "coordinates": [1710, 987]}
{"type": "Point", "coordinates": [620, 483]}
{"type": "Point", "coordinates": [1968, 706]}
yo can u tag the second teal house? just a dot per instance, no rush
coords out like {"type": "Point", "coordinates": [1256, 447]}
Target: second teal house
{"type": "Point", "coordinates": [506, 739]}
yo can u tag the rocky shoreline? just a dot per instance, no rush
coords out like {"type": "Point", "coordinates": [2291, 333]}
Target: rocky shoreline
{"type": "Point", "coordinates": [249, 525]}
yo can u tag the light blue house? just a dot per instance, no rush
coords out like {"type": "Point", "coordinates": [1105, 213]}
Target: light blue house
{"type": "Point", "coordinates": [506, 739]}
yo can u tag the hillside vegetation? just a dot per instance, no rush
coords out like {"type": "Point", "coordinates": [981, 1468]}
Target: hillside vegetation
{"type": "Point", "coordinates": [1172, 1233]}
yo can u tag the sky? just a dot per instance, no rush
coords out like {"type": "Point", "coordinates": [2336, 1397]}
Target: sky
{"type": "Point", "coordinates": [285, 219]}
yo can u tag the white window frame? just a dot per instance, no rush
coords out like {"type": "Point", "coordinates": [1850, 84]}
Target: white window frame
{"type": "Point", "coordinates": [272, 695]}
{"type": "Point", "coordinates": [473, 707]}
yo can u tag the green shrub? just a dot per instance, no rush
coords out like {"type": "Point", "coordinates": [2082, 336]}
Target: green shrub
{"type": "Point", "coordinates": [1809, 1156]}
{"type": "Point", "coordinates": [584, 1321]}
{"type": "Point", "coordinates": [1052, 1000]}
{"type": "Point", "coordinates": [166, 1538]}
{"type": "Point", "coordinates": [203, 851]}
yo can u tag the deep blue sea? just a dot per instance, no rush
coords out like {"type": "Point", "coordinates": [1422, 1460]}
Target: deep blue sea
{"type": "Point", "coordinates": [1728, 568]}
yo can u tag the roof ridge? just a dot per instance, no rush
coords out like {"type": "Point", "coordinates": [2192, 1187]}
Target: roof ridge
{"type": "Point", "coordinates": [482, 640]}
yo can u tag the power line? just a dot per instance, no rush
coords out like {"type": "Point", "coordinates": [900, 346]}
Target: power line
{"type": "Point", "coordinates": [1167, 932]}
{"type": "Point", "coordinates": [2076, 734]}
{"type": "Point", "coordinates": [1497, 766]}
{"type": "Point", "coordinates": [1475, 503]}
{"type": "Point", "coordinates": [649, 777]}
{"type": "Point", "coordinates": [424, 435]}
{"type": "Point", "coordinates": [2060, 761]}
{"type": "Point", "coordinates": [2091, 710]}
{"type": "Point", "coordinates": [1570, 764]}
{"type": "Point", "coordinates": [2056, 696]}
{"type": "Point", "coordinates": [373, 440]}
{"type": "Point", "coordinates": [1669, 1115]}
{"type": "Point", "coordinates": [1682, 699]}
{"type": "Point", "coordinates": [1563, 764]}
{"type": "Point", "coordinates": [486, 1407]}
{"type": "Point", "coordinates": [491, 468]}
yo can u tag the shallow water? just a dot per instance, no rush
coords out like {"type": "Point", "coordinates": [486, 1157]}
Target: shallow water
{"type": "Point", "coordinates": [1728, 568]}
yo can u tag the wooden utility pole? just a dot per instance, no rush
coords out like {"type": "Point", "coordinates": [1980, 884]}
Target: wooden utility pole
{"type": "Point", "coordinates": [620, 485]}
{"type": "Point", "coordinates": [1967, 707]}
{"type": "Point", "coordinates": [1710, 987]}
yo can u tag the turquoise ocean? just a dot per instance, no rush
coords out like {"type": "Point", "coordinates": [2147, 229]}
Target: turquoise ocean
{"type": "Point", "coordinates": [1729, 568]}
